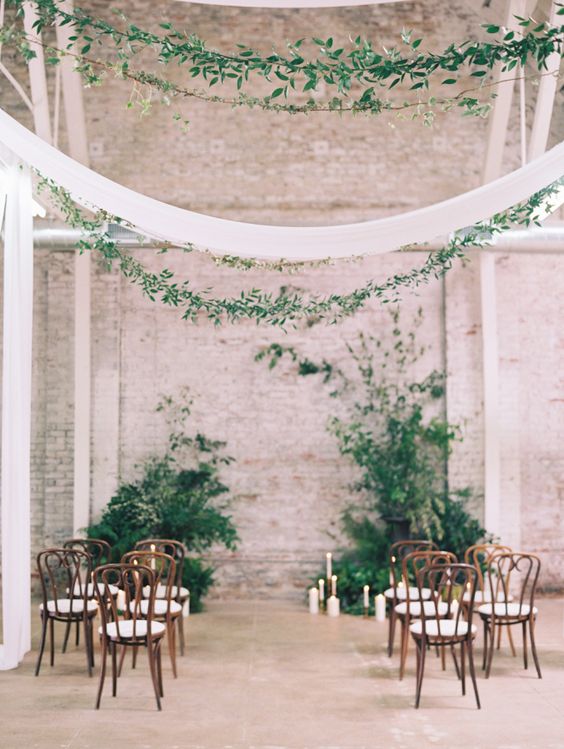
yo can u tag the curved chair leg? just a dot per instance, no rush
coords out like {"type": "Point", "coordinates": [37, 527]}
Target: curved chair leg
{"type": "Point", "coordinates": [491, 648]}
{"type": "Point", "coordinates": [103, 657]}
{"type": "Point", "coordinates": [485, 654]}
{"type": "Point", "coordinates": [42, 645]}
{"type": "Point", "coordinates": [511, 644]}
{"type": "Point", "coordinates": [152, 665]}
{"type": "Point", "coordinates": [121, 659]}
{"type": "Point", "coordinates": [534, 647]}
{"type": "Point", "coordinates": [473, 671]}
{"type": "Point", "coordinates": [391, 630]}
{"type": "Point", "coordinates": [66, 638]}
{"type": "Point", "coordinates": [133, 657]}
{"type": "Point", "coordinates": [171, 634]}
{"type": "Point", "coordinates": [453, 652]}
{"type": "Point", "coordinates": [160, 666]}
{"type": "Point", "coordinates": [181, 632]}
{"type": "Point", "coordinates": [525, 663]}
{"type": "Point", "coordinates": [443, 659]}
{"type": "Point", "coordinates": [77, 636]}
{"type": "Point", "coordinates": [404, 646]}
{"type": "Point", "coordinates": [463, 667]}
{"type": "Point", "coordinates": [87, 644]}
{"type": "Point", "coordinates": [113, 648]}
{"type": "Point", "coordinates": [421, 670]}
{"type": "Point", "coordinates": [52, 639]}
{"type": "Point", "coordinates": [499, 638]}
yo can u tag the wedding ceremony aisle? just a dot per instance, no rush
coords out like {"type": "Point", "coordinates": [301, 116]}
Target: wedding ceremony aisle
{"type": "Point", "coordinates": [268, 675]}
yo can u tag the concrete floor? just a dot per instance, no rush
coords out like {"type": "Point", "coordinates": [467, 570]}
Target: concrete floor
{"type": "Point", "coordinates": [265, 675]}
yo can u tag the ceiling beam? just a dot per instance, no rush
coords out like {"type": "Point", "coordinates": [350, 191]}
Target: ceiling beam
{"type": "Point", "coordinates": [37, 76]}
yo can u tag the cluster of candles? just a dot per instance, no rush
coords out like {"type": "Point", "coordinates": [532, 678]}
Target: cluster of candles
{"type": "Point", "coordinates": [330, 604]}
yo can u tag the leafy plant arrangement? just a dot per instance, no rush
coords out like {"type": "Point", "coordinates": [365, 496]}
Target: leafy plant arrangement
{"type": "Point", "coordinates": [397, 438]}
{"type": "Point", "coordinates": [288, 306]}
{"type": "Point", "coordinates": [356, 73]}
{"type": "Point", "coordinates": [177, 495]}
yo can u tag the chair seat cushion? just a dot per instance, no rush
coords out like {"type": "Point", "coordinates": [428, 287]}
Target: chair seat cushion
{"type": "Point", "coordinates": [160, 607]}
{"type": "Point", "coordinates": [64, 606]}
{"type": "Point", "coordinates": [429, 608]}
{"type": "Point", "coordinates": [413, 593]}
{"type": "Point", "coordinates": [126, 629]}
{"type": "Point", "coordinates": [444, 628]}
{"type": "Point", "coordinates": [483, 596]}
{"type": "Point", "coordinates": [161, 592]}
{"type": "Point", "coordinates": [507, 610]}
{"type": "Point", "coordinates": [113, 589]}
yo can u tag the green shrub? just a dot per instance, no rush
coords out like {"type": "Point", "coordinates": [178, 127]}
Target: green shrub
{"type": "Point", "coordinates": [175, 496]}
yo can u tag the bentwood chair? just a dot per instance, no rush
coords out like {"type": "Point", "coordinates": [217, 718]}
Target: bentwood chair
{"type": "Point", "coordinates": [517, 572]}
{"type": "Point", "coordinates": [413, 607]}
{"type": "Point", "coordinates": [63, 573]}
{"type": "Point", "coordinates": [100, 553]}
{"type": "Point", "coordinates": [397, 593]}
{"type": "Point", "coordinates": [163, 609]}
{"type": "Point", "coordinates": [134, 627]}
{"type": "Point", "coordinates": [479, 556]}
{"type": "Point", "coordinates": [447, 583]}
{"type": "Point", "coordinates": [180, 594]}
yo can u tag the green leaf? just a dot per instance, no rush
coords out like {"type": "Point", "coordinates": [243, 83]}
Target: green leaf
{"type": "Point", "coordinates": [277, 92]}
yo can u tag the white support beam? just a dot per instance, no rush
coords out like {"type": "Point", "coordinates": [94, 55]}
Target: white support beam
{"type": "Point", "coordinates": [16, 411]}
{"type": "Point", "coordinates": [546, 94]}
{"type": "Point", "coordinates": [78, 148]}
{"type": "Point", "coordinates": [37, 77]}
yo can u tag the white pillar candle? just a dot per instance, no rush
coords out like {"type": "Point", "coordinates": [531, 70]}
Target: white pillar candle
{"type": "Point", "coordinates": [329, 557]}
{"type": "Point", "coordinates": [380, 607]}
{"type": "Point", "coordinates": [321, 589]}
{"type": "Point", "coordinates": [313, 601]}
{"type": "Point", "coordinates": [120, 603]}
{"type": "Point", "coordinates": [334, 585]}
{"type": "Point", "coordinates": [186, 607]}
{"type": "Point", "coordinates": [453, 609]}
{"type": "Point", "coordinates": [153, 548]}
{"type": "Point", "coordinates": [391, 574]}
{"type": "Point", "coordinates": [333, 607]}
{"type": "Point", "coordinates": [366, 600]}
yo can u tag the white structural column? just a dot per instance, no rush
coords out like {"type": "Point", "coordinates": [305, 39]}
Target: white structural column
{"type": "Point", "coordinates": [16, 412]}
{"type": "Point", "coordinates": [546, 94]}
{"type": "Point", "coordinates": [78, 149]}
{"type": "Point", "coordinates": [497, 134]}
{"type": "Point", "coordinates": [37, 77]}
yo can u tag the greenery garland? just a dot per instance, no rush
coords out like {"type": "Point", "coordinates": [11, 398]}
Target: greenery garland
{"type": "Point", "coordinates": [359, 68]}
{"type": "Point", "coordinates": [288, 306]}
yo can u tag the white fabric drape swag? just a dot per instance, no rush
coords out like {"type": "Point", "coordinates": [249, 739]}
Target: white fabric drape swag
{"type": "Point", "coordinates": [16, 191]}
{"type": "Point", "coordinates": [164, 222]}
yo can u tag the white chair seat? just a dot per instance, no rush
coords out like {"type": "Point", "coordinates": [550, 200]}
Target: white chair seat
{"type": "Point", "coordinates": [64, 606]}
{"type": "Point", "coordinates": [160, 607]}
{"type": "Point", "coordinates": [483, 596]}
{"type": "Point", "coordinates": [126, 629]}
{"type": "Point", "coordinates": [444, 627]}
{"type": "Point", "coordinates": [429, 608]}
{"type": "Point", "coordinates": [413, 593]}
{"type": "Point", "coordinates": [113, 589]}
{"type": "Point", "coordinates": [507, 610]}
{"type": "Point", "coordinates": [161, 592]}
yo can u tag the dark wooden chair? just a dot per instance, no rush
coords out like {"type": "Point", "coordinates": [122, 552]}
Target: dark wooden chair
{"type": "Point", "coordinates": [100, 553]}
{"type": "Point", "coordinates": [447, 583]}
{"type": "Point", "coordinates": [507, 572]}
{"type": "Point", "coordinates": [413, 608]}
{"type": "Point", "coordinates": [64, 576]}
{"type": "Point", "coordinates": [134, 627]}
{"type": "Point", "coordinates": [164, 608]}
{"type": "Point", "coordinates": [180, 594]}
{"type": "Point", "coordinates": [397, 593]}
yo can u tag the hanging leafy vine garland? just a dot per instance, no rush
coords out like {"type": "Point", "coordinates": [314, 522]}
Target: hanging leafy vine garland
{"type": "Point", "coordinates": [288, 306]}
{"type": "Point", "coordinates": [355, 73]}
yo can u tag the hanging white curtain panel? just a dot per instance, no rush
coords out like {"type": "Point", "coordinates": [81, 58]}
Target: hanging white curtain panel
{"type": "Point", "coordinates": [164, 222]}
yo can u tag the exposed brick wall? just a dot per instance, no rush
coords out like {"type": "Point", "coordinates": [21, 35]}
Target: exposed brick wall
{"type": "Point", "coordinates": [289, 480]}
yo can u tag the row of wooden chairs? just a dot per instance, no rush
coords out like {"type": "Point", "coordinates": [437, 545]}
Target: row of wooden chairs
{"type": "Point", "coordinates": [434, 597]}
{"type": "Point", "coordinates": [140, 599]}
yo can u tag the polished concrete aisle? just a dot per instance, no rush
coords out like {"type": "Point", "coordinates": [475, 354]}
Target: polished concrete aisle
{"type": "Point", "coordinates": [267, 675]}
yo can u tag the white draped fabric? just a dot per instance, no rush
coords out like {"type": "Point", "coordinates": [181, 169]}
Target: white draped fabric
{"type": "Point", "coordinates": [15, 187]}
{"type": "Point", "coordinates": [162, 221]}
